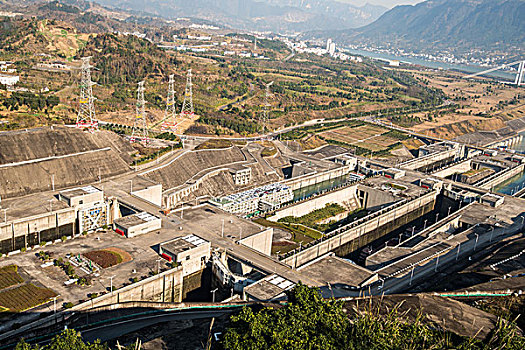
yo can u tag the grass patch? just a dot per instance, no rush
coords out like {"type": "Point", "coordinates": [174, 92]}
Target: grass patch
{"type": "Point", "coordinates": [311, 219]}
{"type": "Point", "coordinates": [215, 144]}
{"type": "Point", "coordinates": [268, 152]}
{"type": "Point", "coordinates": [9, 276]}
{"type": "Point", "coordinates": [396, 186]}
{"type": "Point", "coordinates": [294, 229]}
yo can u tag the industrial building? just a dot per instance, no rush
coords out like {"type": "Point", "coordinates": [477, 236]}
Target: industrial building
{"type": "Point", "coordinates": [137, 224]}
{"type": "Point", "coordinates": [191, 252]}
{"type": "Point", "coordinates": [260, 199]}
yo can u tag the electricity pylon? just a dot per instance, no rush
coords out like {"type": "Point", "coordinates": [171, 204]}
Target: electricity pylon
{"type": "Point", "coordinates": [187, 105]}
{"type": "Point", "coordinates": [170, 103]}
{"type": "Point", "coordinates": [171, 113]}
{"type": "Point", "coordinates": [140, 127]}
{"type": "Point", "coordinates": [86, 111]}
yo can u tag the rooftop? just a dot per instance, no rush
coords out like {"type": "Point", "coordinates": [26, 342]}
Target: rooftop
{"type": "Point", "coordinates": [332, 269]}
{"type": "Point", "coordinates": [269, 287]}
{"type": "Point", "coordinates": [80, 191]}
{"type": "Point", "coordinates": [182, 244]}
{"type": "Point", "coordinates": [34, 204]}
{"type": "Point", "coordinates": [210, 219]}
{"type": "Point", "coordinates": [135, 219]}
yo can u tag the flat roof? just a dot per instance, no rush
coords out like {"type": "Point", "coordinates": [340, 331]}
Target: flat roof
{"type": "Point", "coordinates": [181, 244]}
{"type": "Point", "coordinates": [79, 191]}
{"type": "Point", "coordinates": [210, 219]}
{"type": "Point", "coordinates": [332, 269]}
{"type": "Point", "coordinates": [509, 212]}
{"type": "Point", "coordinates": [31, 205]}
{"type": "Point", "coordinates": [135, 219]}
{"type": "Point", "coordinates": [269, 287]}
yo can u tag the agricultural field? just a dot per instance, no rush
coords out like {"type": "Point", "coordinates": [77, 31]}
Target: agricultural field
{"type": "Point", "coordinates": [17, 295]}
{"type": "Point", "coordinates": [480, 105]}
{"type": "Point", "coordinates": [25, 297]}
{"type": "Point", "coordinates": [366, 136]}
{"type": "Point", "coordinates": [108, 257]}
{"type": "Point", "coordinates": [229, 92]}
{"type": "Point", "coordinates": [9, 276]}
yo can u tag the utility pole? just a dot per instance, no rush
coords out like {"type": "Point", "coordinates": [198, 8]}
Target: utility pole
{"type": "Point", "coordinates": [86, 113]}
{"type": "Point", "coordinates": [140, 127]}
{"type": "Point", "coordinates": [213, 295]}
{"type": "Point", "coordinates": [187, 105]}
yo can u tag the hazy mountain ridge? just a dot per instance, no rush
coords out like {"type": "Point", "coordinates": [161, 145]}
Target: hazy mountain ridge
{"type": "Point", "coordinates": [272, 15]}
{"type": "Point", "coordinates": [444, 23]}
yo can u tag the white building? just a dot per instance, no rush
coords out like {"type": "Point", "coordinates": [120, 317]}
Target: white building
{"type": "Point", "coordinates": [331, 49]}
{"type": "Point", "coordinates": [262, 198]}
{"type": "Point", "coordinates": [9, 80]}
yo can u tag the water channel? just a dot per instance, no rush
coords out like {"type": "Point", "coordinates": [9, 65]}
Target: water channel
{"type": "Point", "coordinates": [506, 75]}
{"type": "Point", "coordinates": [308, 191]}
{"type": "Point", "coordinates": [517, 182]}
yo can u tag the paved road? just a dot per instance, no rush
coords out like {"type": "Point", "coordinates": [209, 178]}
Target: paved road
{"type": "Point", "coordinates": [117, 329]}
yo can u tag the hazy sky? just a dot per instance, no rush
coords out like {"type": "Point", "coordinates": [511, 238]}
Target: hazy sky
{"type": "Point", "coordinates": [387, 3]}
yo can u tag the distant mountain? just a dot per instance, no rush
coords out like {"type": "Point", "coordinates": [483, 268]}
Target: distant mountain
{"type": "Point", "coordinates": [264, 15]}
{"type": "Point", "coordinates": [484, 24]}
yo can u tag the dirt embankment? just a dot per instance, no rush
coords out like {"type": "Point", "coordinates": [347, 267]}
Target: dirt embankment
{"type": "Point", "coordinates": [450, 131]}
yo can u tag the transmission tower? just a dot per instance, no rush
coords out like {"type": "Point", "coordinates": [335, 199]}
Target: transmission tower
{"type": "Point", "coordinates": [170, 108]}
{"type": "Point", "coordinates": [86, 111]}
{"type": "Point", "coordinates": [140, 128]}
{"type": "Point", "coordinates": [266, 112]}
{"type": "Point", "coordinates": [187, 105]}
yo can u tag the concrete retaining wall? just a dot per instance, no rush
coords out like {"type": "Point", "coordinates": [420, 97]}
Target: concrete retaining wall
{"type": "Point", "coordinates": [314, 179]}
{"type": "Point", "coordinates": [347, 194]}
{"type": "Point", "coordinates": [389, 216]}
{"type": "Point", "coordinates": [30, 231]}
{"type": "Point", "coordinates": [503, 177]}
{"type": "Point", "coordinates": [460, 167]}
{"type": "Point", "coordinates": [164, 287]}
{"type": "Point", "coordinates": [425, 161]}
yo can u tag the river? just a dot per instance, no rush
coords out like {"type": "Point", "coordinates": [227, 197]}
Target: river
{"type": "Point", "coordinates": [508, 76]}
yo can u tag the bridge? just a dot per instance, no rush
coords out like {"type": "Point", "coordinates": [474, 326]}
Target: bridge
{"type": "Point", "coordinates": [520, 76]}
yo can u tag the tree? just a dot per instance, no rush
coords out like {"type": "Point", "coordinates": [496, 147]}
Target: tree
{"type": "Point", "coordinates": [67, 340]}
{"type": "Point", "coordinates": [307, 321]}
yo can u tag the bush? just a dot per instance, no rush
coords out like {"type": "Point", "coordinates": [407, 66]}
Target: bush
{"type": "Point", "coordinates": [63, 238]}
{"type": "Point", "coordinates": [68, 305]}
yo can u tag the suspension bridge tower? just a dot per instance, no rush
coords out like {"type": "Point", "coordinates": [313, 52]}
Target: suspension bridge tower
{"type": "Point", "coordinates": [140, 127]}
{"type": "Point", "coordinates": [187, 105]}
{"type": "Point", "coordinates": [520, 77]}
{"type": "Point", "coordinates": [86, 112]}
